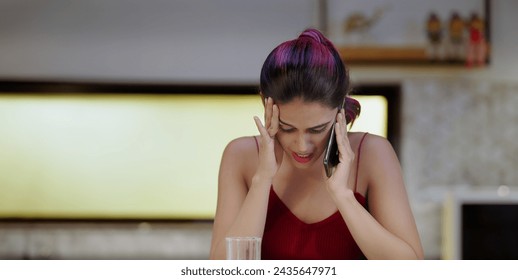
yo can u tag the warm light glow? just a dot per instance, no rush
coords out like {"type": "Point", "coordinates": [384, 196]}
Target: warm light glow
{"type": "Point", "coordinates": [374, 115]}
{"type": "Point", "coordinates": [125, 156]}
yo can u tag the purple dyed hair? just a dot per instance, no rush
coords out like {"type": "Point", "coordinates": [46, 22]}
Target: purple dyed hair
{"type": "Point", "coordinates": [309, 68]}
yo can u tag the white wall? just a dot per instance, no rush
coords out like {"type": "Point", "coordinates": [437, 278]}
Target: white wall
{"type": "Point", "coordinates": [155, 40]}
{"type": "Point", "coordinates": [504, 37]}
{"type": "Point", "coordinates": [217, 41]}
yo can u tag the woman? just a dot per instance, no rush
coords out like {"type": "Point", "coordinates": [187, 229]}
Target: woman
{"type": "Point", "coordinates": [274, 185]}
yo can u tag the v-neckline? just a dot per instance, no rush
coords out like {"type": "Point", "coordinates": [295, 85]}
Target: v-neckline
{"type": "Point", "coordinates": [326, 220]}
{"type": "Point", "coordinates": [323, 221]}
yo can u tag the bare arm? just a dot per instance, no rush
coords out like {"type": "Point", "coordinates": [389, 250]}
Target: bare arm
{"type": "Point", "coordinates": [242, 209]}
{"type": "Point", "coordinates": [388, 229]}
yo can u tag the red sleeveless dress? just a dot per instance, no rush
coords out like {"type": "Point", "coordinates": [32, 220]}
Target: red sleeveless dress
{"type": "Point", "coordinates": [287, 237]}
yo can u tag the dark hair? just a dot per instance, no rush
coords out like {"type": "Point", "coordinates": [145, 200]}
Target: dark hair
{"type": "Point", "coordinates": [309, 68]}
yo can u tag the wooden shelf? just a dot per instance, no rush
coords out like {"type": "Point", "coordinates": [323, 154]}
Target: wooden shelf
{"type": "Point", "coordinates": [381, 55]}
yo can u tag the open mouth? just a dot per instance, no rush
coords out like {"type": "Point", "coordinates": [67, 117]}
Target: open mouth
{"type": "Point", "coordinates": [302, 158]}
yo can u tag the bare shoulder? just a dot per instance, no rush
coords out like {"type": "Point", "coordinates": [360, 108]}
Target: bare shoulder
{"type": "Point", "coordinates": [240, 158]}
{"type": "Point", "coordinates": [375, 146]}
{"type": "Point", "coordinates": [378, 157]}
{"type": "Point", "coordinates": [241, 147]}
{"type": "Point", "coordinates": [383, 173]}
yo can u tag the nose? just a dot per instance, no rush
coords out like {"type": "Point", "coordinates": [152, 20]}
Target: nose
{"type": "Point", "coordinates": [303, 143]}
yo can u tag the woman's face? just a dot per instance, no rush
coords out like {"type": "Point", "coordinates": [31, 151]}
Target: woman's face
{"type": "Point", "coordinates": [304, 128]}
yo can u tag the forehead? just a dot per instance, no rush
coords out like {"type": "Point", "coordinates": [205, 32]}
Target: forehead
{"type": "Point", "coordinates": [305, 114]}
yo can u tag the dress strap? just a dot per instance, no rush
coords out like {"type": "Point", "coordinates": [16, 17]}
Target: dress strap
{"type": "Point", "coordinates": [358, 161]}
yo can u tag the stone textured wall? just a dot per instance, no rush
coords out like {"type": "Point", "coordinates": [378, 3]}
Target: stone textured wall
{"type": "Point", "coordinates": [460, 132]}
{"type": "Point", "coordinates": [457, 132]}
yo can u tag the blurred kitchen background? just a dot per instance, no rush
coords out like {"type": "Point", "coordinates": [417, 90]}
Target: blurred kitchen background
{"type": "Point", "coordinates": [114, 115]}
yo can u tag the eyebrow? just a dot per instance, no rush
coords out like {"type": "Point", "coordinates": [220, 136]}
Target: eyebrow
{"type": "Point", "coordinates": [314, 127]}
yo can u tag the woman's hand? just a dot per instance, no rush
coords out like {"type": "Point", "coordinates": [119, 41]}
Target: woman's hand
{"type": "Point", "coordinates": [338, 182]}
{"type": "Point", "coordinates": [267, 162]}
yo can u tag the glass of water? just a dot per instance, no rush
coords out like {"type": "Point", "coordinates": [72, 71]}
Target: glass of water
{"type": "Point", "coordinates": [243, 248]}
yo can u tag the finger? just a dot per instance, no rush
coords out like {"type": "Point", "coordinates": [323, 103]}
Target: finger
{"type": "Point", "coordinates": [344, 120]}
{"type": "Point", "coordinates": [268, 112]}
{"type": "Point", "coordinates": [341, 120]}
{"type": "Point", "coordinates": [274, 125]}
{"type": "Point", "coordinates": [344, 147]}
{"type": "Point", "coordinates": [260, 127]}
{"type": "Point", "coordinates": [343, 138]}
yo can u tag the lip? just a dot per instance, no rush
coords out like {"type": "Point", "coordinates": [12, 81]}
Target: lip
{"type": "Point", "coordinates": [301, 159]}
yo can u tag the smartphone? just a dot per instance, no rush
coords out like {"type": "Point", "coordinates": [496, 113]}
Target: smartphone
{"type": "Point", "coordinates": [331, 153]}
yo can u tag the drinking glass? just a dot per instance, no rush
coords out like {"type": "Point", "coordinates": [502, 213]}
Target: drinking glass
{"type": "Point", "coordinates": [243, 248]}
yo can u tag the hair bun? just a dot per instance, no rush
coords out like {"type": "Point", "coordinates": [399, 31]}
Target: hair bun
{"type": "Point", "coordinates": [352, 109]}
{"type": "Point", "coordinates": [313, 34]}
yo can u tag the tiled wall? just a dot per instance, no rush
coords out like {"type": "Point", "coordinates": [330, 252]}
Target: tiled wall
{"type": "Point", "coordinates": [457, 133]}
{"type": "Point", "coordinates": [460, 132]}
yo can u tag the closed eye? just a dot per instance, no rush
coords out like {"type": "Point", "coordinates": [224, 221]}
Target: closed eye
{"type": "Point", "coordinates": [317, 131]}
{"type": "Point", "coordinates": [285, 129]}
{"type": "Point", "coordinates": [313, 130]}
